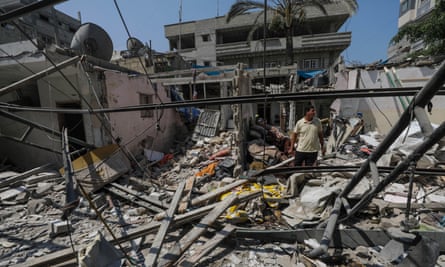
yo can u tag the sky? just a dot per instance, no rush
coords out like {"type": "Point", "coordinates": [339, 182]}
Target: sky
{"type": "Point", "coordinates": [372, 26]}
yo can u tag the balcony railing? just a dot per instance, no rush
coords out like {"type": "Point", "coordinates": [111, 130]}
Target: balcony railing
{"type": "Point", "coordinates": [317, 41]}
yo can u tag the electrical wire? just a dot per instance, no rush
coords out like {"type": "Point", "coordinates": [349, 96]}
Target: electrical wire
{"type": "Point", "coordinates": [126, 152]}
{"type": "Point", "coordinates": [89, 107]}
{"type": "Point", "coordinates": [375, 103]}
{"type": "Point", "coordinates": [149, 81]}
{"type": "Point", "coordinates": [140, 61]}
{"type": "Point", "coordinates": [31, 71]}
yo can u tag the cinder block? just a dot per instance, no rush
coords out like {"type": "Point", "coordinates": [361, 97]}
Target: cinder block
{"type": "Point", "coordinates": [58, 227]}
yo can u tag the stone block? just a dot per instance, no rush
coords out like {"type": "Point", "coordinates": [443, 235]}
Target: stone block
{"type": "Point", "coordinates": [58, 227]}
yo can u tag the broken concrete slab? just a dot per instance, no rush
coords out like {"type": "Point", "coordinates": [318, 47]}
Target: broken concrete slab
{"type": "Point", "coordinates": [100, 167]}
{"type": "Point", "coordinates": [58, 227]}
{"type": "Point", "coordinates": [100, 254]}
{"type": "Point", "coordinates": [392, 251]}
{"type": "Point", "coordinates": [11, 193]}
{"type": "Point", "coordinates": [10, 180]}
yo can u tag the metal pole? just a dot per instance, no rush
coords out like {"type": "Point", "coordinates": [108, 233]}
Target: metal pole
{"type": "Point", "coordinates": [420, 100]}
{"type": "Point", "coordinates": [235, 100]}
{"type": "Point", "coordinates": [423, 97]}
{"type": "Point", "coordinates": [408, 223]}
{"type": "Point", "coordinates": [435, 137]}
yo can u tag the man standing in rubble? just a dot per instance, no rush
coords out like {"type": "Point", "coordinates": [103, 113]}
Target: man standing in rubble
{"type": "Point", "coordinates": [308, 135]}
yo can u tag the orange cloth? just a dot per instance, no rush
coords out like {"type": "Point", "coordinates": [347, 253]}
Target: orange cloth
{"type": "Point", "coordinates": [209, 169]}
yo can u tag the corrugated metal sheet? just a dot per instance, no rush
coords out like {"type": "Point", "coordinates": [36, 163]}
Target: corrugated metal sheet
{"type": "Point", "coordinates": [207, 125]}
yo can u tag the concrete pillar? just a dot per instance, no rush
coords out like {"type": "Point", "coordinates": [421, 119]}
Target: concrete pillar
{"type": "Point", "coordinates": [242, 113]}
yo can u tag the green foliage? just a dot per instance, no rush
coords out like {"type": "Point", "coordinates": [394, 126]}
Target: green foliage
{"type": "Point", "coordinates": [431, 30]}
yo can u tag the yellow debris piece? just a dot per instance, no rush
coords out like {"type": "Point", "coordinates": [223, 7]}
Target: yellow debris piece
{"type": "Point", "coordinates": [273, 191]}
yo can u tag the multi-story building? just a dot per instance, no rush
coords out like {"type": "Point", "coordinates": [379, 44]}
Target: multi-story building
{"type": "Point", "coordinates": [46, 25]}
{"type": "Point", "coordinates": [410, 11]}
{"type": "Point", "coordinates": [214, 42]}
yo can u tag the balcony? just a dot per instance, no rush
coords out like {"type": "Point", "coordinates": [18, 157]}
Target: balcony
{"type": "Point", "coordinates": [325, 41]}
{"type": "Point", "coordinates": [233, 48]}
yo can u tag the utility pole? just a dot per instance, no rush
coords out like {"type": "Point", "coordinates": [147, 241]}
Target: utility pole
{"type": "Point", "coordinates": [264, 58]}
{"type": "Point", "coordinates": [180, 26]}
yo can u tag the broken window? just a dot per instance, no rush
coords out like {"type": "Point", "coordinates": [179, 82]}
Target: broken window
{"type": "Point", "coordinates": [312, 63]}
{"type": "Point", "coordinates": [145, 99]}
{"type": "Point", "coordinates": [205, 37]}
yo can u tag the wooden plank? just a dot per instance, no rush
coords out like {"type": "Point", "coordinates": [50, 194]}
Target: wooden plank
{"type": "Point", "coordinates": [182, 245]}
{"type": "Point", "coordinates": [217, 192]}
{"type": "Point", "coordinates": [13, 179]}
{"type": "Point", "coordinates": [188, 191]}
{"type": "Point", "coordinates": [153, 254]}
{"type": "Point", "coordinates": [68, 253]}
{"type": "Point", "coordinates": [148, 199]}
{"type": "Point", "coordinates": [284, 162]}
{"type": "Point", "coordinates": [133, 199]}
{"type": "Point", "coordinates": [41, 177]}
{"type": "Point", "coordinates": [208, 246]}
{"type": "Point", "coordinates": [201, 199]}
{"type": "Point", "coordinates": [374, 173]}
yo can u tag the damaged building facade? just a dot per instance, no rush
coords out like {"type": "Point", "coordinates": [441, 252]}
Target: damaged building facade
{"type": "Point", "coordinates": [91, 84]}
{"type": "Point", "coordinates": [213, 42]}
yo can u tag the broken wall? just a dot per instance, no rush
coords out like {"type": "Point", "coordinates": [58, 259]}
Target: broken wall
{"type": "Point", "coordinates": [158, 128]}
{"type": "Point", "coordinates": [381, 113]}
{"type": "Point", "coordinates": [51, 92]}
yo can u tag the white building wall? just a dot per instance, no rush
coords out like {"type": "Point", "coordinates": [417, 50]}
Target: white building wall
{"type": "Point", "coordinates": [381, 113]}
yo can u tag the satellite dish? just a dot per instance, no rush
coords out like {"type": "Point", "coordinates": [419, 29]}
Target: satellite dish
{"type": "Point", "coordinates": [133, 44]}
{"type": "Point", "coordinates": [92, 40]}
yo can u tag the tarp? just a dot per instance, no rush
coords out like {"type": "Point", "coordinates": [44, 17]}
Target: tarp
{"type": "Point", "coordinates": [309, 74]}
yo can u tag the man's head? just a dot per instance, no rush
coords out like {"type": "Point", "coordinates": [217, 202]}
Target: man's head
{"type": "Point", "coordinates": [309, 112]}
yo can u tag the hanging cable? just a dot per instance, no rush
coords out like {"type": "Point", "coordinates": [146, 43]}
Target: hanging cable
{"type": "Point", "coordinates": [89, 107]}
{"type": "Point", "coordinates": [100, 119]}
{"type": "Point", "coordinates": [373, 101]}
{"type": "Point", "coordinates": [140, 61]}
{"type": "Point", "coordinates": [32, 72]}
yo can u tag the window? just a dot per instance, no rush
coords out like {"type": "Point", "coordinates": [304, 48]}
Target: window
{"type": "Point", "coordinates": [205, 37]}
{"type": "Point", "coordinates": [145, 99]}
{"type": "Point", "coordinates": [207, 63]}
{"type": "Point", "coordinates": [313, 63]}
{"type": "Point", "coordinates": [406, 5]}
{"type": "Point", "coordinates": [424, 7]}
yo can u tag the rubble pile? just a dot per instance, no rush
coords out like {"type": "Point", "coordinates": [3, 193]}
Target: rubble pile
{"type": "Point", "coordinates": [197, 207]}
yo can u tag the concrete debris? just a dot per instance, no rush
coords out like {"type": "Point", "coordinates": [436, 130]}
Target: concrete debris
{"type": "Point", "coordinates": [58, 228]}
{"type": "Point", "coordinates": [195, 205]}
{"type": "Point", "coordinates": [100, 253]}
